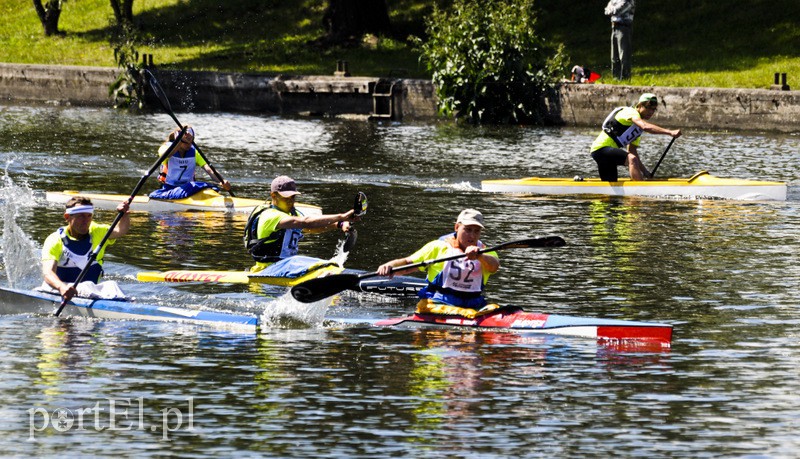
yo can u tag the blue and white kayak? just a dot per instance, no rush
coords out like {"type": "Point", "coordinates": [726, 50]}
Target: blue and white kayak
{"type": "Point", "coordinates": [15, 301]}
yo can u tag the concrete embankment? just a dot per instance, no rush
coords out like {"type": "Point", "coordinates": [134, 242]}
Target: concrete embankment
{"type": "Point", "coordinates": [398, 99]}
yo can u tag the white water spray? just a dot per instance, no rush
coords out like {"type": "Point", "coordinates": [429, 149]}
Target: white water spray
{"type": "Point", "coordinates": [19, 253]}
{"type": "Point", "coordinates": [286, 312]}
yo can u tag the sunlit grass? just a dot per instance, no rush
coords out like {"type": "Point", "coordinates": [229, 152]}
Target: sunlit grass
{"type": "Point", "coordinates": [716, 44]}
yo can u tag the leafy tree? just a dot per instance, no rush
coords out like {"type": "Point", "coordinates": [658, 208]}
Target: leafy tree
{"type": "Point", "coordinates": [489, 65]}
{"type": "Point", "coordinates": [127, 90]}
{"type": "Point", "coordinates": [48, 15]}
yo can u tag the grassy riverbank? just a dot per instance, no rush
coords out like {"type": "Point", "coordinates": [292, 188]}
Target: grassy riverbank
{"type": "Point", "coordinates": [676, 42]}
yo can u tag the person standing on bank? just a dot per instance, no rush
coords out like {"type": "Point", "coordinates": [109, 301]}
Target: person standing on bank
{"type": "Point", "coordinates": [623, 128]}
{"type": "Point", "coordinates": [621, 13]}
{"type": "Point", "coordinates": [65, 252]}
{"type": "Point", "coordinates": [177, 173]}
{"type": "Point", "coordinates": [274, 230]}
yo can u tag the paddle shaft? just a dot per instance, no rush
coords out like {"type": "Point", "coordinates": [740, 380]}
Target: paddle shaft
{"type": "Point", "coordinates": [522, 243]}
{"type": "Point", "coordinates": [653, 174]}
{"type": "Point", "coordinates": [120, 214]}
{"type": "Point", "coordinates": [162, 98]}
{"type": "Point", "coordinates": [322, 287]}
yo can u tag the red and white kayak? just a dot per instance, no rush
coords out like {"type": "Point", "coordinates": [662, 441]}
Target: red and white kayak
{"type": "Point", "coordinates": [516, 319]}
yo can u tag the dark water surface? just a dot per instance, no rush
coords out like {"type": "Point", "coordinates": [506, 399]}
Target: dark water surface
{"type": "Point", "coordinates": [724, 273]}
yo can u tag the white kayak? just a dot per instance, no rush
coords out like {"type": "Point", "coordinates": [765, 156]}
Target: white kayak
{"type": "Point", "coordinates": [207, 200]}
{"type": "Point", "coordinates": [700, 185]}
{"type": "Point", "coordinates": [15, 301]}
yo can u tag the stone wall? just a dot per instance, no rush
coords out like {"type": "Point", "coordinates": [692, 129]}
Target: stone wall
{"type": "Point", "coordinates": [695, 108]}
{"type": "Point", "coordinates": [571, 104]}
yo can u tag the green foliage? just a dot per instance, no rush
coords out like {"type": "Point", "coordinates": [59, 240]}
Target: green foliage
{"type": "Point", "coordinates": [675, 42]}
{"type": "Point", "coordinates": [489, 63]}
{"type": "Point", "coordinates": [126, 90]}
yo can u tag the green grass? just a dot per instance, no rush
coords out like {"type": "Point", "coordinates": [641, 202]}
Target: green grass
{"type": "Point", "coordinates": [676, 42]}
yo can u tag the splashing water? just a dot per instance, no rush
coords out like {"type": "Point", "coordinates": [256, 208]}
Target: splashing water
{"type": "Point", "coordinates": [286, 312]}
{"type": "Point", "coordinates": [340, 256]}
{"type": "Point", "coordinates": [19, 252]}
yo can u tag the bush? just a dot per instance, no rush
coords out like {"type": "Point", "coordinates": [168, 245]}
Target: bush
{"type": "Point", "coordinates": [489, 65]}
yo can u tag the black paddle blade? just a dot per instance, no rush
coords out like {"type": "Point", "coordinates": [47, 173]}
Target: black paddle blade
{"type": "Point", "coordinates": [350, 240]}
{"type": "Point", "coordinates": [323, 287]}
{"type": "Point", "coordinates": [360, 204]}
{"type": "Point", "coordinates": [545, 241]}
{"type": "Point", "coordinates": [158, 91]}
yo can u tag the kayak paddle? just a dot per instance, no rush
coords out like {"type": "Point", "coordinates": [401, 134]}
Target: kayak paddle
{"type": "Point", "coordinates": [653, 174]}
{"type": "Point", "coordinates": [162, 97]}
{"type": "Point", "coordinates": [93, 254]}
{"type": "Point", "coordinates": [359, 209]}
{"type": "Point", "coordinates": [322, 287]}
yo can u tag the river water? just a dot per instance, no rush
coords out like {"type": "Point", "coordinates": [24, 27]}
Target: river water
{"type": "Point", "coordinates": [724, 273]}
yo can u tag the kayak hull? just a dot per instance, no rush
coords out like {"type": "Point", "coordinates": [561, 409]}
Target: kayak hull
{"type": "Point", "coordinates": [205, 200]}
{"type": "Point", "coordinates": [699, 185]}
{"type": "Point", "coordinates": [15, 301]}
{"type": "Point", "coordinates": [287, 273]}
{"type": "Point", "coordinates": [515, 319]}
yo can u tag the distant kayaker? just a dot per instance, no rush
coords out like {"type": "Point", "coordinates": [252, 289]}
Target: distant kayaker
{"type": "Point", "coordinates": [177, 173]}
{"type": "Point", "coordinates": [623, 128]}
{"type": "Point", "coordinates": [455, 286]}
{"type": "Point", "coordinates": [65, 252]}
{"type": "Point", "coordinates": [274, 229]}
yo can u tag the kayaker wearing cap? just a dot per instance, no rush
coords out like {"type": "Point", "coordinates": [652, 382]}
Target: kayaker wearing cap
{"type": "Point", "coordinates": [623, 128]}
{"type": "Point", "coordinates": [177, 173]}
{"type": "Point", "coordinates": [65, 252]}
{"type": "Point", "coordinates": [455, 286]}
{"type": "Point", "coordinates": [274, 230]}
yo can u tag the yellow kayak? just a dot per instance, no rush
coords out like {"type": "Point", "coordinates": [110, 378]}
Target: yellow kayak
{"type": "Point", "coordinates": [700, 185]}
{"type": "Point", "coordinates": [207, 200]}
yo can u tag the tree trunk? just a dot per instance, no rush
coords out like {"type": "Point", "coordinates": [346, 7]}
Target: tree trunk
{"type": "Point", "coordinates": [348, 20]}
{"type": "Point", "coordinates": [123, 11]}
{"type": "Point", "coordinates": [48, 15]}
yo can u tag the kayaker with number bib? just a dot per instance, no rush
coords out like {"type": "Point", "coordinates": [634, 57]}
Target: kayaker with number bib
{"type": "Point", "coordinates": [455, 286]}
{"type": "Point", "coordinates": [177, 173]}
{"type": "Point", "coordinates": [65, 252]}
{"type": "Point", "coordinates": [275, 229]}
{"type": "Point", "coordinates": [623, 129]}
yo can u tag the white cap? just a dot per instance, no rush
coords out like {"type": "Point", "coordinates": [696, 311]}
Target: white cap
{"type": "Point", "coordinates": [470, 217]}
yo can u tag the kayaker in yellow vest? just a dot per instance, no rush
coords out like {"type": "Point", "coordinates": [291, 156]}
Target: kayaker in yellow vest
{"type": "Point", "coordinates": [274, 230]}
{"type": "Point", "coordinates": [177, 174]}
{"type": "Point", "coordinates": [455, 286]}
{"type": "Point", "coordinates": [66, 252]}
{"type": "Point", "coordinates": [621, 129]}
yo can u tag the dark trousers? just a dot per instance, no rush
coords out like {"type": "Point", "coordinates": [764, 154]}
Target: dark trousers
{"type": "Point", "coordinates": [621, 38]}
{"type": "Point", "coordinates": [608, 159]}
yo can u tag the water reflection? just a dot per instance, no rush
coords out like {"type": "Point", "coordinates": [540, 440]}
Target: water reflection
{"type": "Point", "coordinates": [723, 273]}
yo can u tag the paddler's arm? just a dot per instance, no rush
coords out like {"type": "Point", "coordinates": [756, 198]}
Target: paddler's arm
{"type": "Point", "coordinates": [226, 185]}
{"type": "Point", "coordinates": [634, 150]}
{"type": "Point", "coordinates": [654, 129]}
{"type": "Point", "coordinates": [318, 223]}
{"type": "Point", "coordinates": [67, 291]}
{"type": "Point", "coordinates": [124, 223]}
{"type": "Point", "coordinates": [489, 262]}
{"type": "Point", "coordinates": [387, 269]}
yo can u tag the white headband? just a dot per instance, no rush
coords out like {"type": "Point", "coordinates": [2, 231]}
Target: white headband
{"type": "Point", "coordinates": [87, 209]}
